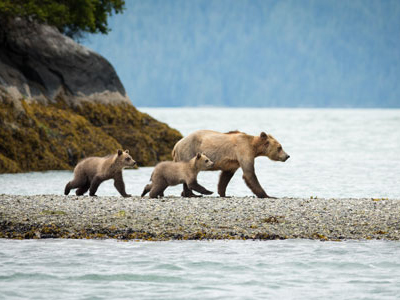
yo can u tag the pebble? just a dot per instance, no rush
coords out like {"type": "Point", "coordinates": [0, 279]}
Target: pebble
{"type": "Point", "coordinates": [56, 216]}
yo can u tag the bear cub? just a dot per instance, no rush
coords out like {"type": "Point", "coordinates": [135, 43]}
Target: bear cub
{"type": "Point", "coordinates": [170, 173]}
{"type": "Point", "coordinates": [92, 171]}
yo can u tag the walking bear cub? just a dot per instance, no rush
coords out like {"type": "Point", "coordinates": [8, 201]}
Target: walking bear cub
{"type": "Point", "coordinates": [90, 172]}
{"type": "Point", "coordinates": [170, 173]}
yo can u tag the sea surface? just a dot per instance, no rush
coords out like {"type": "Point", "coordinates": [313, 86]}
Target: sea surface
{"type": "Point", "coordinates": [335, 153]}
{"type": "Point", "coordinates": [109, 269]}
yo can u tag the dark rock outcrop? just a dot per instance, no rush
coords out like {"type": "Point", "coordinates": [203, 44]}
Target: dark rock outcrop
{"type": "Point", "coordinates": [42, 64]}
{"type": "Point", "coordinates": [60, 102]}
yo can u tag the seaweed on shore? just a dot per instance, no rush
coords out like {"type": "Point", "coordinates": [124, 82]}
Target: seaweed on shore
{"type": "Point", "coordinates": [21, 231]}
{"type": "Point", "coordinates": [35, 136]}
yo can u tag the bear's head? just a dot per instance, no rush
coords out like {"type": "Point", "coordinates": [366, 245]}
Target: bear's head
{"type": "Point", "coordinates": [202, 162]}
{"type": "Point", "coordinates": [124, 159]}
{"type": "Point", "coordinates": [268, 146]}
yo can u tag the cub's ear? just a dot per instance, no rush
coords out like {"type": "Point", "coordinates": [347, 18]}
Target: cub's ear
{"type": "Point", "coordinates": [263, 135]}
{"type": "Point", "coordinates": [119, 152]}
{"type": "Point", "coordinates": [198, 155]}
{"type": "Point", "coordinates": [127, 151]}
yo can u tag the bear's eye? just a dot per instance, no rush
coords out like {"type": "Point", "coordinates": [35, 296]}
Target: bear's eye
{"type": "Point", "coordinates": [128, 159]}
{"type": "Point", "coordinates": [206, 160]}
{"type": "Point", "coordinates": [279, 148]}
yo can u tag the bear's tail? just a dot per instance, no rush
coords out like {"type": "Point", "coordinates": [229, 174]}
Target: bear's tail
{"type": "Point", "coordinates": [147, 189]}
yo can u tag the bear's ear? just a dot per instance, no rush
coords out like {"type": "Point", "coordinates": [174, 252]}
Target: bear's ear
{"type": "Point", "coordinates": [127, 151]}
{"type": "Point", "coordinates": [263, 135]}
{"type": "Point", "coordinates": [198, 155]}
{"type": "Point", "coordinates": [119, 152]}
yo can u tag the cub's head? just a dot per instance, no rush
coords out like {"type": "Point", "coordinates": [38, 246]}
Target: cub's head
{"type": "Point", "coordinates": [267, 145]}
{"type": "Point", "coordinates": [124, 159]}
{"type": "Point", "coordinates": [202, 162]}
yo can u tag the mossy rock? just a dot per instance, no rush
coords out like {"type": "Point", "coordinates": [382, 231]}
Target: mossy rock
{"type": "Point", "coordinates": [55, 136]}
{"type": "Point", "coordinates": [150, 140]}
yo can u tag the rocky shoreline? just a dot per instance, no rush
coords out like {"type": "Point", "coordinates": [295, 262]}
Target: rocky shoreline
{"type": "Point", "coordinates": [56, 216]}
{"type": "Point", "coordinates": [61, 102]}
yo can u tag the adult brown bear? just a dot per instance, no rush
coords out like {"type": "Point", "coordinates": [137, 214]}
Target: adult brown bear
{"type": "Point", "coordinates": [229, 151]}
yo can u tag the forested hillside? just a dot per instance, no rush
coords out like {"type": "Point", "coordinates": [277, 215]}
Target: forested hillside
{"type": "Point", "coordinates": [257, 53]}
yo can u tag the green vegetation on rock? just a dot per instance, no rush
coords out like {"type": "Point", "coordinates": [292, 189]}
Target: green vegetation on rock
{"type": "Point", "coordinates": [71, 17]}
{"type": "Point", "coordinates": [55, 136]}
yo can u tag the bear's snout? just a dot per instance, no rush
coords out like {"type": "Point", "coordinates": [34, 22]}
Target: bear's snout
{"type": "Point", "coordinates": [287, 157]}
{"type": "Point", "coordinates": [131, 162]}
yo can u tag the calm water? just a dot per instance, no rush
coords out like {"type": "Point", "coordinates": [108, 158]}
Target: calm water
{"type": "Point", "coordinates": [80, 269]}
{"type": "Point", "coordinates": [334, 153]}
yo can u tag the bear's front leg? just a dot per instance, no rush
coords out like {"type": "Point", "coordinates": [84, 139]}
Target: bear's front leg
{"type": "Point", "coordinates": [187, 193]}
{"type": "Point", "coordinates": [94, 185]}
{"type": "Point", "coordinates": [120, 185]}
{"type": "Point", "coordinates": [198, 188]}
{"type": "Point", "coordinates": [251, 180]}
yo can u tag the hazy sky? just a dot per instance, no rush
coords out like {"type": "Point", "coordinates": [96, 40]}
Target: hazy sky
{"type": "Point", "coordinates": [298, 53]}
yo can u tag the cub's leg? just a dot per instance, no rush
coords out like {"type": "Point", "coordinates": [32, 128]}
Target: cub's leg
{"type": "Point", "coordinates": [94, 185]}
{"type": "Point", "coordinates": [158, 188]}
{"type": "Point", "coordinates": [120, 185]}
{"type": "Point", "coordinates": [83, 189]}
{"type": "Point", "coordinates": [199, 188]}
{"type": "Point", "coordinates": [147, 189]}
{"type": "Point", "coordinates": [77, 182]}
{"type": "Point", "coordinates": [188, 192]}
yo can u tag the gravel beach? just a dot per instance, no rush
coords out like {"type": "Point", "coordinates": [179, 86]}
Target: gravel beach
{"type": "Point", "coordinates": [56, 216]}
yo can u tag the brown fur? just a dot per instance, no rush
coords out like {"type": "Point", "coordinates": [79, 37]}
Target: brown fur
{"type": "Point", "coordinates": [92, 171]}
{"type": "Point", "coordinates": [170, 173]}
{"type": "Point", "coordinates": [229, 151]}
{"type": "Point", "coordinates": [233, 131]}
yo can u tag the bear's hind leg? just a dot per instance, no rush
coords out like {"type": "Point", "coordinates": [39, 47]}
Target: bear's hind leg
{"type": "Point", "coordinates": [83, 189]}
{"type": "Point", "coordinates": [158, 189]}
{"type": "Point", "coordinates": [224, 179]}
{"type": "Point", "coordinates": [94, 185]}
{"type": "Point", "coordinates": [67, 188]}
{"type": "Point", "coordinates": [147, 189]}
{"type": "Point", "coordinates": [73, 184]}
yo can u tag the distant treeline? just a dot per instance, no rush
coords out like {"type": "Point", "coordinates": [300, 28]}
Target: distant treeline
{"type": "Point", "coordinates": [257, 53]}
